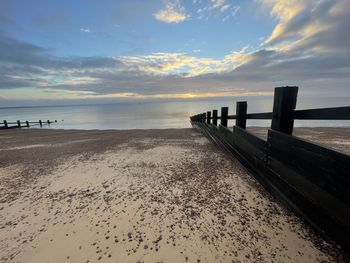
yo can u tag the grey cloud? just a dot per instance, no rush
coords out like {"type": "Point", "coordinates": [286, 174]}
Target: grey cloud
{"type": "Point", "coordinates": [330, 30]}
{"type": "Point", "coordinates": [319, 63]}
{"type": "Point", "coordinates": [22, 64]}
{"type": "Point", "coordinates": [14, 51]}
{"type": "Point", "coordinates": [21, 53]}
{"type": "Point", "coordinates": [314, 13]}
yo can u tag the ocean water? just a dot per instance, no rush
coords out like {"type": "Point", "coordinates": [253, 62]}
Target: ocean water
{"type": "Point", "coordinates": [161, 115]}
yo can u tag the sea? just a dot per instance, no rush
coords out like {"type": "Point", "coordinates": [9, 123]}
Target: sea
{"type": "Point", "coordinates": [159, 114]}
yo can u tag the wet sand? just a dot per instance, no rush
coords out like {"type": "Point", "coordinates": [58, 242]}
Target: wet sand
{"type": "Point", "coordinates": [140, 196]}
{"type": "Point", "coordinates": [335, 138]}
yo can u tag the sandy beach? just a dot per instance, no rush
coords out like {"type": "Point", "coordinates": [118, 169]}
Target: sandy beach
{"type": "Point", "coordinates": [336, 138]}
{"type": "Point", "coordinates": [144, 196]}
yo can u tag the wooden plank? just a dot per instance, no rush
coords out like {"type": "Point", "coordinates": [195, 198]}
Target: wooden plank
{"type": "Point", "coordinates": [215, 117]}
{"type": "Point", "coordinates": [326, 168]}
{"type": "Point", "coordinates": [241, 112]}
{"type": "Point", "coordinates": [231, 117]}
{"type": "Point", "coordinates": [249, 145]}
{"type": "Point", "coordinates": [228, 134]}
{"type": "Point", "coordinates": [224, 114]}
{"type": "Point", "coordinates": [208, 116]}
{"type": "Point", "coordinates": [316, 195]}
{"type": "Point", "coordinates": [284, 103]}
{"type": "Point", "coordinates": [246, 143]}
{"type": "Point", "coordinates": [248, 136]}
{"type": "Point", "coordinates": [325, 213]}
{"type": "Point", "coordinates": [260, 116]}
{"type": "Point", "coordinates": [252, 145]}
{"type": "Point", "coordinates": [338, 113]}
{"type": "Point", "coordinates": [322, 210]}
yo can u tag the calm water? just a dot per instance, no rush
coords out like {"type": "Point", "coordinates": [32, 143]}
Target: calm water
{"type": "Point", "coordinates": [146, 115]}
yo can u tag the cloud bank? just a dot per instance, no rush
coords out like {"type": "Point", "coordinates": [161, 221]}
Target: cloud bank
{"type": "Point", "coordinates": [308, 47]}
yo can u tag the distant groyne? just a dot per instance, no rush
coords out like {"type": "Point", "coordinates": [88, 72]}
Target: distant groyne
{"type": "Point", "coordinates": [24, 124]}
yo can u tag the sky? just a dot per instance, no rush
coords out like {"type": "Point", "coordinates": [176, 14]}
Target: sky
{"type": "Point", "coordinates": [89, 50]}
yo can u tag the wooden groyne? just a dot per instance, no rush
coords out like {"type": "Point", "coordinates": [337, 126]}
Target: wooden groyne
{"type": "Point", "coordinates": [312, 180]}
{"type": "Point", "coordinates": [24, 124]}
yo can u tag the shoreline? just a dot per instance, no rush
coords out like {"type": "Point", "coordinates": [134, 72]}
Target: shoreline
{"type": "Point", "coordinates": [141, 195]}
{"type": "Point", "coordinates": [318, 135]}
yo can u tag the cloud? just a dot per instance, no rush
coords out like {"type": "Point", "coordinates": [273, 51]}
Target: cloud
{"type": "Point", "coordinates": [308, 47]}
{"type": "Point", "coordinates": [158, 75]}
{"type": "Point", "coordinates": [170, 64]}
{"type": "Point", "coordinates": [216, 8]}
{"type": "Point", "coordinates": [86, 30]}
{"type": "Point", "coordinates": [302, 20]}
{"type": "Point", "coordinates": [19, 52]}
{"type": "Point", "coordinates": [173, 12]}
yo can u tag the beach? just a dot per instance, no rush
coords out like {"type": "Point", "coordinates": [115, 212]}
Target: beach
{"type": "Point", "coordinates": [165, 195]}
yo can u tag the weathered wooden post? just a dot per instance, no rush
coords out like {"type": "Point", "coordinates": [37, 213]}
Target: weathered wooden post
{"type": "Point", "coordinates": [241, 114]}
{"type": "Point", "coordinates": [224, 114]}
{"type": "Point", "coordinates": [208, 116]}
{"type": "Point", "coordinates": [27, 123]}
{"type": "Point", "coordinates": [19, 124]}
{"type": "Point", "coordinates": [204, 117]}
{"type": "Point", "coordinates": [215, 117]}
{"type": "Point", "coordinates": [285, 100]}
{"type": "Point", "coordinates": [5, 124]}
{"type": "Point", "coordinates": [41, 123]}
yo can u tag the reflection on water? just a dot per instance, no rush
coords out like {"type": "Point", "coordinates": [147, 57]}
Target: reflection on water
{"type": "Point", "coordinates": [144, 115]}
